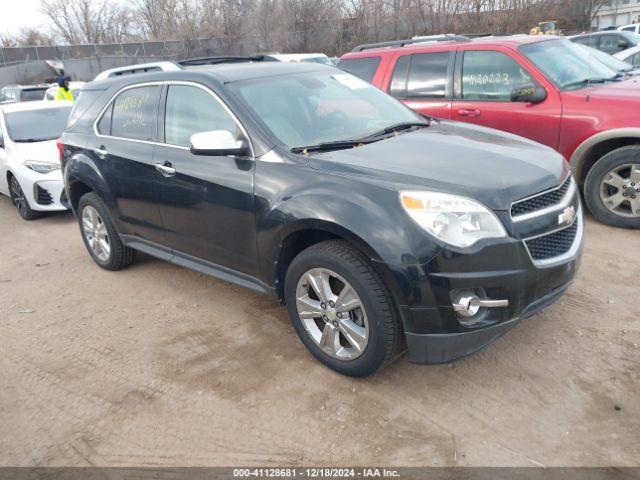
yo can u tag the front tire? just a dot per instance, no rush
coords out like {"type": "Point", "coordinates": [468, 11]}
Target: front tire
{"type": "Point", "coordinates": [20, 201]}
{"type": "Point", "coordinates": [100, 236]}
{"type": "Point", "coordinates": [612, 188]}
{"type": "Point", "coordinates": [341, 310]}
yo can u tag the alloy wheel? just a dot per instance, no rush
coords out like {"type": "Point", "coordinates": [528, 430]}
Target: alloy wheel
{"type": "Point", "coordinates": [95, 232]}
{"type": "Point", "coordinates": [18, 198]}
{"type": "Point", "coordinates": [332, 314]}
{"type": "Point", "coordinates": [620, 190]}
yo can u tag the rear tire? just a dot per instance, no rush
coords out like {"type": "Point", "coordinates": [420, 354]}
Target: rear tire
{"type": "Point", "coordinates": [100, 235]}
{"type": "Point", "coordinates": [20, 201]}
{"type": "Point", "coordinates": [352, 340]}
{"type": "Point", "coordinates": [611, 179]}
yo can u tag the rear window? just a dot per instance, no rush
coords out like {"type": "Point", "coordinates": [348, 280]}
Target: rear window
{"type": "Point", "coordinates": [32, 94]}
{"type": "Point", "coordinates": [37, 125]}
{"type": "Point", "coordinates": [365, 68]}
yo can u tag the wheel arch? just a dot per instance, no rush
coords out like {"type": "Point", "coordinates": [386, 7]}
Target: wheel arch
{"type": "Point", "coordinates": [307, 233]}
{"type": "Point", "coordinates": [82, 176]}
{"type": "Point", "coordinates": [593, 148]}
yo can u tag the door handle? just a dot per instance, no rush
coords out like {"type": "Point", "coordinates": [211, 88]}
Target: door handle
{"type": "Point", "coordinates": [465, 112]}
{"type": "Point", "coordinates": [101, 152]}
{"type": "Point", "coordinates": [166, 169]}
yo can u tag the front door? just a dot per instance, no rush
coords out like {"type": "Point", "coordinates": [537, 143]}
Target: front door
{"type": "Point", "coordinates": [206, 202]}
{"type": "Point", "coordinates": [123, 152]}
{"type": "Point", "coordinates": [484, 81]}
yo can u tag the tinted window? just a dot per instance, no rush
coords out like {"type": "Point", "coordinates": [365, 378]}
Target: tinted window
{"type": "Point", "coordinates": [428, 75]}
{"type": "Point", "coordinates": [32, 94]}
{"type": "Point", "coordinates": [104, 125]}
{"type": "Point", "coordinates": [192, 110]}
{"type": "Point", "coordinates": [365, 68]}
{"type": "Point", "coordinates": [37, 125]}
{"type": "Point", "coordinates": [398, 87]}
{"type": "Point", "coordinates": [491, 76]}
{"type": "Point", "coordinates": [134, 113]}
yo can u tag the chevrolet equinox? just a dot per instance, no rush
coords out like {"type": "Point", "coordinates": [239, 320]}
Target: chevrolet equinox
{"type": "Point", "coordinates": [380, 229]}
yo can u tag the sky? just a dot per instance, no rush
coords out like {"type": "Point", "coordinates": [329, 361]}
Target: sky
{"type": "Point", "coordinates": [17, 14]}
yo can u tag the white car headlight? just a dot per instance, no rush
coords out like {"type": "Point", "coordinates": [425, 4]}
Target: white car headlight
{"type": "Point", "coordinates": [456, 220]}
{"type": "Point", "coordinates": [42, 167]}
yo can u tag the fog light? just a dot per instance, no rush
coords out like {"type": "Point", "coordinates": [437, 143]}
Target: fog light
{"type": "Point", "coordinates": [467, 303]}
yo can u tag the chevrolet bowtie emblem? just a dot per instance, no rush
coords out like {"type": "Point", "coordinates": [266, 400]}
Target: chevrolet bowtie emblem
{"type": "Point", "coordinates": [567, 215]}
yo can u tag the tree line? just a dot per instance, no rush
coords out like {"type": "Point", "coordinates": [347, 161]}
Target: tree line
{"type": "Point", "coordinates": [329, 26]}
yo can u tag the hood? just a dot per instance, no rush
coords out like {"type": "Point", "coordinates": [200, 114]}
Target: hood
{"type": "Point", "coordinates": [487, 165]}
{"type": "Point", "coordinates": [40, 151]}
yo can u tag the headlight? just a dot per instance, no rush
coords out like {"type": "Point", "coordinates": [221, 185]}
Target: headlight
{"type": "Point", "coordinates": [455, 220]}
{"type": "Point", "coordinates": [42, 167]}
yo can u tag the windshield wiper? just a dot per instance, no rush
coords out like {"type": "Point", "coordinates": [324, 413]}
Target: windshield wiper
{"type": "Point", "coordinates": [326, 146]}
{"type": "Point", "coordinates": [33, 140]}
{"type": "Point", "coordinates": [374, 137]}
{"type": "Point", "coordinates": [586, 81]}
{"type": "Point", "coordinates": [398, 127]}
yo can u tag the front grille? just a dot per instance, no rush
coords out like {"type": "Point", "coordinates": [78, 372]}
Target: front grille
{"type": "Point", "coordinates": [43, 196]}
{"type": "Point", "coordinates": [541, 201]}
{"type": "Point", "coordinates": [553, 245]}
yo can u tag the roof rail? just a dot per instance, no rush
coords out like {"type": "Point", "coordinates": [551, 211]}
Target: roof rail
{"type": "Point", "coordinates": [225, 59]}
{"type": "Point", "coordinates": [139, 68]}
{"type": "Point", "coordinates": [447, 37]}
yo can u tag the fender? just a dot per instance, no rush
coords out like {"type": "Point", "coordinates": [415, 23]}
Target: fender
{"type": "Point", "coordinates": [81, 168]}
{"type": "Point", "coordinates": [396, 245]}
{"type": "Point", "coordinates": [581, 154]}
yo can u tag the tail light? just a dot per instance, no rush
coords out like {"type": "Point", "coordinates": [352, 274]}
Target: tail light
{"type": "Point", "coordinates": [60, 146]}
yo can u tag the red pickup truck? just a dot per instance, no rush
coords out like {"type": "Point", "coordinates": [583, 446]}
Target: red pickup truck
{"type": "Point", "coordinates": [544, 88]}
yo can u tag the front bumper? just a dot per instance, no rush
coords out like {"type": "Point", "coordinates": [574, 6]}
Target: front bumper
{"type": "Point", "coordinates": [44, 192]}
{"type": "Point", "coordinates": [503, 270]}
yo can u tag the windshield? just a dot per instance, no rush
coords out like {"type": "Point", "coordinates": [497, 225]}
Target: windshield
{"type": "Point", "coordinates": [313, 108]}
{"type": "Point", "coordinates": [608, 60]}
{"type": "Point", "coordinates": [566, 64]}
{"type": "Point", "coordinates": [37, 125]}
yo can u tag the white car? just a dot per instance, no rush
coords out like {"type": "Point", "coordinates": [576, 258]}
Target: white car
{"type": "Point", "coordinates": [302, 57]}
{"type": "Point", "coordinates": [630, 55]}
{"type": "Point", "coordinates": [634, 27]}
{"type": "Point", "coordinates": [29, 157]}
{"type": "Point", "coordinates": [52, 91]}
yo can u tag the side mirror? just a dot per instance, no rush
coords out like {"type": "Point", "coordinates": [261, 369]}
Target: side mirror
{"type": "Point", "coordinates": [529, 93]}
{"type": "Point", "coordinates": [218, 143]}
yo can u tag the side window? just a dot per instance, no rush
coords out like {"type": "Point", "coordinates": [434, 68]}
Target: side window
{"type": "Point", "coordinates": [365, 68]}
{"type": "Point", "coordinates": [609, 43]}
{"type": "Point", "coordinates": [428, 75]}
{"type": "Point", "coordinates": [588, 41]}
{"type": "Point", "coordinates": [192, 110]}
{"type": "Point", "coordinates": [632, 28]}
{"type": "Point", "coordinates": [635, 60]}
{"type": "Point", "coordinates": [134, 113]}
{"type": "Point", "coordinates": [488, 75]}
{"type": "Point", "coordinates": [398, 87]}
{"type": "Point", "coordinates": [104, 125]}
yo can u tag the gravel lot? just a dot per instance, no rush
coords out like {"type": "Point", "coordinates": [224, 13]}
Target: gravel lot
{"type": "Point", "coordinates": [159, 365]}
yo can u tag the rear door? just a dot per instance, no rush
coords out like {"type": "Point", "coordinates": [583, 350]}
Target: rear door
{"type": "Point", "coordinates": [122, 149]}
{"type": "Point", "coordinates": [207, 203]}
{"type": "Point", "coordinates": [424, 82]}
{"type": "Point", "coordinates": [484, 81]}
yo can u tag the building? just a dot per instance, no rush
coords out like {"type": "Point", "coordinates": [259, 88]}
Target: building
{"type": "Point", "coordinates": [615, 13]}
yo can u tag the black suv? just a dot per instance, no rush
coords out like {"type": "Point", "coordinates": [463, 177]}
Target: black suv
{"type": "Point", "coordinates": [379, 229]}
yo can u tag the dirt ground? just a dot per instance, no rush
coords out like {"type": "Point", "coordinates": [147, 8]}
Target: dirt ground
{"type": "Point", "coordinates": [161, 366]}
